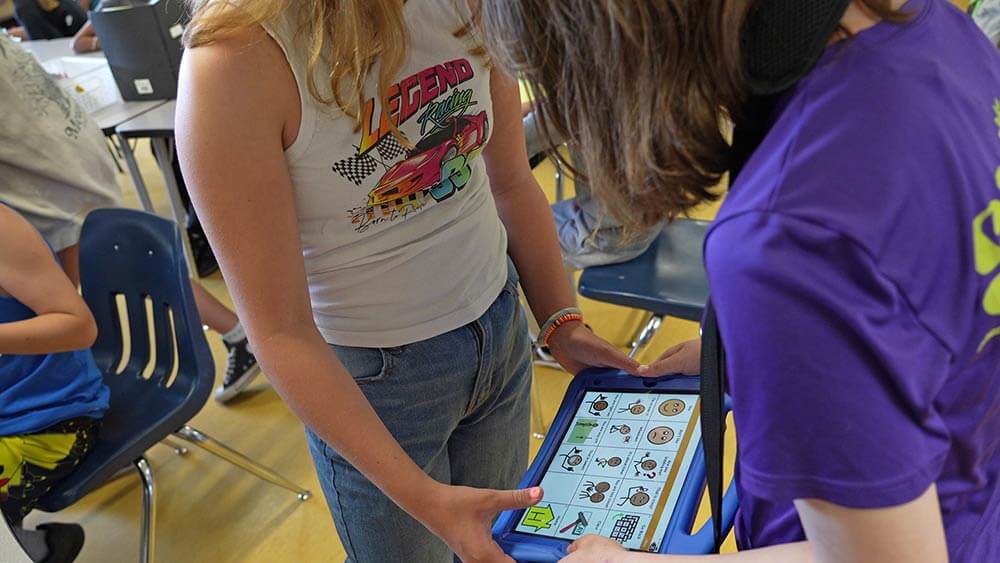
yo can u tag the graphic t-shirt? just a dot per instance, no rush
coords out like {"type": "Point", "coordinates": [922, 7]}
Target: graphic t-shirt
{"type": "Point", "coordinates": [400, 244]}
{"type": "Point", "coordinates": [855, 268]}
{"type": "Point", "coordinates": [54, 164]}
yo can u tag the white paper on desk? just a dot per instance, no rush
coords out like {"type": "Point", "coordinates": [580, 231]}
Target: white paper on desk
{"type": "Point", "coordinates": [87, 80]}
{"type": "Point", "coordinates": [71, 67]}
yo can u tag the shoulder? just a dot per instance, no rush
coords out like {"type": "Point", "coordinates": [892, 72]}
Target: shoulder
{"type": "Point", "coordinates": [244, 73]}
{"type": "Point", "coordinates": [864, 138]}
{"type": "Point", "coordinates": [752, 240]}
{"type": "Point", "coordinates": [234, 54]}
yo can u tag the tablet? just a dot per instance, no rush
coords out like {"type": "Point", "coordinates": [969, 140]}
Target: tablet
{"type": "Point", "coordinates": [623, 460]}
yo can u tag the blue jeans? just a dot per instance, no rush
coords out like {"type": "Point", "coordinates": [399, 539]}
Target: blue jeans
{"type": "Point", "coordinates": [457, 403]}
{"type": "Point", "coordinates": [588, 236]}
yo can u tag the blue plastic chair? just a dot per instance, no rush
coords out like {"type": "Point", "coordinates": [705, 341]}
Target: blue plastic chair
{"type": "Point", "coordinates": [668, 280]}
{"type": "Point", "coordinates": [132, 262]}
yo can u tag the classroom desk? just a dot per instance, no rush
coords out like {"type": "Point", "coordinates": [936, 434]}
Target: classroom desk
{"type": "Point", "coordinates": [47, 49]}
{"type": "Point", "coordinates": [157, 125]}
{"type": "Point", "coordinates": [107, 118]}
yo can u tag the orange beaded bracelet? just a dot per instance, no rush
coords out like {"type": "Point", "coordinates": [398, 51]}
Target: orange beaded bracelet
{"type": "Point", "coordinates": [558, 322]}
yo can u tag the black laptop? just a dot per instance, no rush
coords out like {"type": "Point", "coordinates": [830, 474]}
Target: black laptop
{"type": "Point", "coordinates": [142, 41]}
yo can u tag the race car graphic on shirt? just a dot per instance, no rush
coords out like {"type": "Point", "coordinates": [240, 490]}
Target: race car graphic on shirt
{"type": "Point", "coordinates": [438, 164]}
{"type": "Point", "coordinates": [450, 136]}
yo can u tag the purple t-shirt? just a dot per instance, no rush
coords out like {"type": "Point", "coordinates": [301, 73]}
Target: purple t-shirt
{"type": "Point", "coordinates": [855, 268]}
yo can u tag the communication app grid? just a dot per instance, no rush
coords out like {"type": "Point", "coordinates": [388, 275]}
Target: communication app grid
{"type": "Point", "coordinates": [618, 470]}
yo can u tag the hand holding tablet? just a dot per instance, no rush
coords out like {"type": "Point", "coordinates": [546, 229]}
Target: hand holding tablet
{"type": "Point", "coordinates": [623, 460]}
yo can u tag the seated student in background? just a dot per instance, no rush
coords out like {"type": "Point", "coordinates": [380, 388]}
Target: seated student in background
{"type": "Point", "coordinates": [588, 235]}
{"type": "Point", "coordinates": [50, 19]}
{"type": "Point", "coordinates": [986, 14]}
{"type": "Point", "coordinates": [55, 168]}
{"type": "Point", "coordinates": [51, 394]}
{"type": "Point", "coordinates": [854, 266]}
{"type": "Point", "coordinates": [86, 41]}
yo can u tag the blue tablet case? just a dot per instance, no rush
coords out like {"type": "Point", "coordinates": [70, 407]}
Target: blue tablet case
{"type": "Point", "coordinates": [679, 537]}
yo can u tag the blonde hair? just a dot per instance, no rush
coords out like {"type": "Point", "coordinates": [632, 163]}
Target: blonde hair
{"type": "Point", "coordinates": [346, 36]}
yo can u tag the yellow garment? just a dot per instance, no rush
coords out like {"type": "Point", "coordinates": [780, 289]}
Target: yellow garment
{"type": "Point", "coordinates": [42, 450]}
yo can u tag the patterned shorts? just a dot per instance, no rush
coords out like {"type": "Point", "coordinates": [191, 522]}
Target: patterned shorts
{"type": "Point", "coordinates": [31, 464]}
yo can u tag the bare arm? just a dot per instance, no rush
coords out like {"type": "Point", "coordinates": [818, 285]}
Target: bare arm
{"type": "Point", "coordinates": [86, 39]}
{"type": "Point", "coordinates": [911, 532]}
{"type": "Point", "coordinates": [522, 205]}
{"type": "Point", "coordinates": [30, 274]}
{"type": "Point", "coordinates": [533, 245]}
{"type": "Point", "coordinates": [238, 109]}
{"type": "Point", "coordinates": [233, 108]}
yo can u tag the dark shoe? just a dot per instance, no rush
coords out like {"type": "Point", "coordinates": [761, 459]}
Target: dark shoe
{"type": "Point", "coordinates": [64, 542]}
{"type": "Point", "coordinates": [204, 258]}
{"type": "Point", "coordinates": [241, 368]}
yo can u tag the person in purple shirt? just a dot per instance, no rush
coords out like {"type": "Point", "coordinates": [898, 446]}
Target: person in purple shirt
{"type": "Point", "coordinates": [854, 266]}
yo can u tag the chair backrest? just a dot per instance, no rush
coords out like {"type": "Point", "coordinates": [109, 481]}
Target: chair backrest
{"type": "Point", "coordinates": [150, 347]}
{"type": "Point", "coordinates": [668, 279]}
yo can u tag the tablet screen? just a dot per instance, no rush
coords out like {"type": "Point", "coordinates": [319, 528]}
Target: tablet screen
{"type": "Point", "coordinates": [618, 470]}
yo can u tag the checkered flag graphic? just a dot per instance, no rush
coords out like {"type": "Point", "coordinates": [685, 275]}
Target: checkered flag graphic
{"type": "Point", "coordinates": [356, 168]}
{"type": "Point", "coordinates": [389, 148]}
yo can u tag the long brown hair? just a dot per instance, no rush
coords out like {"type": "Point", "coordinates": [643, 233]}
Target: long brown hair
{"type": "Point", "coordinates": [644, 87]}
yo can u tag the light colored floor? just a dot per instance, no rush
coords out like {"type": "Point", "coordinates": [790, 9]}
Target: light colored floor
{"type": "Point", "coordinates": [209, 511]}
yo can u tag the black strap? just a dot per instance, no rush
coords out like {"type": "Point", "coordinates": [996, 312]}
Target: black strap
{"type": "Point", "coordinates": [747, 136]}
{"type": "Point", "coordinates": [713, 422]}
{"type": "Point", "coordinates": [771, 28]}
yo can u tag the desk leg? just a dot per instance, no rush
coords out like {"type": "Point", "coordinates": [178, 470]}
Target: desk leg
{"type": "Point", "coordinates": [133, 170]}
{"type": "Point", "coordinates": [164, 151]}
{"type": "Point", "coordinates": [560, 188]}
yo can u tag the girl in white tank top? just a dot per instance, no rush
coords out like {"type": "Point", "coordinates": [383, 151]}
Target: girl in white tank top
{"type": "Point", "coordinates": [368, 255]}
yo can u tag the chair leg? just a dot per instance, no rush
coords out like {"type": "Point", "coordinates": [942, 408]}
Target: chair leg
{"type": "Point", "coordinates": [115, 154]}
{"type": "Point", "coordinates": [645, 334]}
{"type": "Point", "coordinates": [542, 358]}
{"type": "Point", "coordinates": [226, 453]}
{"type": "Point", "coordinates": [537, 418]}
{"type": "Point", "coordinates": [560, 188]}
{"type": "Point", "coordinates": [178, 448]}
{"type": "Point", "coordinates": [551, 364]}
{"type": "Point", "coordinates": [147, 543]}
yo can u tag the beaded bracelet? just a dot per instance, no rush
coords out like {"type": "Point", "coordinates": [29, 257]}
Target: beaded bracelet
{"type": "Point", "coordinates": [557, 319]}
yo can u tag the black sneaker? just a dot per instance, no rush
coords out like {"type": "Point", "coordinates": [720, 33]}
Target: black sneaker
{"type": "Point", "coordinates": [64, 542]}
{"type": "Point", "coordinates": [241, 368]}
